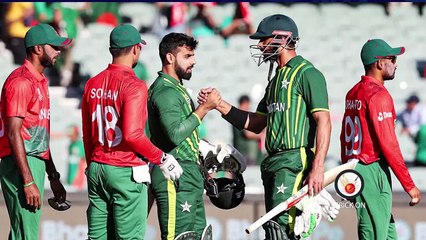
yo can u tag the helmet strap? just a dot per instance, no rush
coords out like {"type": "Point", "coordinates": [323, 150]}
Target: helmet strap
{"type": "Point", "coordinates": [271, 68]}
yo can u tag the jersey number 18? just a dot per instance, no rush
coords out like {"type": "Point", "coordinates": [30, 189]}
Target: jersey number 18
{"type": "Point", "coordinates": [110, 130]}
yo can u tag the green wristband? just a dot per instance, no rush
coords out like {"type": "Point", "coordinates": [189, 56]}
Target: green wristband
{"type": "Point", "coordinates": [29, 184]}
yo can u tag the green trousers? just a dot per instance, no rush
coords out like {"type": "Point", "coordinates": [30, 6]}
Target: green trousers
{"type": "Point", "coordinates": [375, 220]}
{"type": "Point", "coordinates": [24, 222]}
{"type": "Point", "coordinates": [282, 175]}
{"type": "Point", "coordinates": [180, 204]}
{"type": "Point", "coordinates": [117, 204]}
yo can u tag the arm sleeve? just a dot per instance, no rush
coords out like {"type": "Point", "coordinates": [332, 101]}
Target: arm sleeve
{"type": "Point", "coordinates": [18, 95]}
{"type": "Point", "coordinates": [135, 100]}
{"type": "Point", "coordinates": [171, 109]}
{"type": "Point", "coordinates": [86, 117]}
{"type": "Point", "coordinates": [314, 90]}
{"type": "Point", "coordinates": [380, 108]}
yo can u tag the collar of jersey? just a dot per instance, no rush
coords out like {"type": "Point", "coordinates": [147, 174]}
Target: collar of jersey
{"type": "Point", "coordinates": [173, 80]}
{"type": "Point", "coordinates": [295, 61]}
{"type": "Point", "coordinates": [119, 67]}
{"type": "Point", "coordinates": [38, 76]}
{"type": "Point", "coordinates": [371, 79]}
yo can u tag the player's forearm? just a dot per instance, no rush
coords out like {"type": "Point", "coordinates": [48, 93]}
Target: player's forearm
{"type": "Point", "coordinates": [19, 156]}
{"type": "Point", "coordinates": [396, 162]}
{"type": "Point", "coordinates": [237, 117]}
{"type": "Point", "coordinates": [142, 145]}
{"type": "Point", "coordinates": [224, 107]}
{"type": "Point", "coordinates": [50, 165]}
{"type": "Point", "coordinates": [178, 131]}
{"type": "Point", "coordinates": [323, 133]}
{"type": "Point", "coordinates": [201, 111]}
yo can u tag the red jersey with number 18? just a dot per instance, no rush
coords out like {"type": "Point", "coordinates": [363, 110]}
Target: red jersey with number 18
{"type": "Point", "coordinates": [368, 128]}
{"type": "Point", "coordinates": [114, 113]}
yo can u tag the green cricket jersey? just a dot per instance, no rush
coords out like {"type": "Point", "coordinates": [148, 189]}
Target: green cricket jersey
{"type": "Point", "coordinates": [173, 125]}
{"type": "Point", "coordinates": [296, 91]}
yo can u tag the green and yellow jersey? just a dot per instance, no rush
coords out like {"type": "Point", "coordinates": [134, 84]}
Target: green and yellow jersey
{"type": "Point", "coordinates": [173, 125]}
{"type": "Point", "coordinates": [295, 92]}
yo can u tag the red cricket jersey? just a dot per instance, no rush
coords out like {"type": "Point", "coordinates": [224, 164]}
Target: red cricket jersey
{"type": "Point", "coordinates": [114, 113]}
{"type": "Point", "coordinates": [25, 94]}
{"type": "Point", "coordinates": [368, 128]}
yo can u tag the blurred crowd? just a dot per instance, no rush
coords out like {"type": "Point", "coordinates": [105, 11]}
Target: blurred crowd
{"type": "Point", "coordinates": [69, 18]}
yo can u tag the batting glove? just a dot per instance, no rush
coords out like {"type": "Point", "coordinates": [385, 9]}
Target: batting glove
{"type": "Point", "coordinates": [170, 167]}
{"type": "Point", "coordinates": [306, 223]}
{"type": "Point", "coordinates": [329, 207]}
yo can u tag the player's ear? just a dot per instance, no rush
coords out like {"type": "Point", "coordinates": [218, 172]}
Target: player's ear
{"type": "Point", "coordinates": [380, 64]}
{"type": "Point", "coordinates": [38, 49]}
{"type": "Point", "coordinates": [170, 58]}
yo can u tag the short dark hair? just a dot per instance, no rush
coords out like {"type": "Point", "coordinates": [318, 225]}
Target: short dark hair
{"type": "Point", "coordinates": [369, 67]}
{"type": "Point", "coordinates": [171, 42]}
{"type": "Point", "coordinates": [243, 98]}
{"type": "Point", "coordinates": [413, 99]}
{"type": "Point", "coordinates": [118, 52]}
{"type": "Point", "coordinates": [29, 50]}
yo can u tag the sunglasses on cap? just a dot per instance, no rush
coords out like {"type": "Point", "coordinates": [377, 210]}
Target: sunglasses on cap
{"type": "Point", "coordinates": [59, 206]}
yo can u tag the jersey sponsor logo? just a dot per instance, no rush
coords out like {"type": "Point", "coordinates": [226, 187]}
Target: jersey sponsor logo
{"type": "Point", "coordinates": [104, 94]}
{"type": "Point", "coordinates": [353, 104]}
{"type": "Point", "coordinates": [276, 107]}
{"type": "Point", "coordinates": [384, 115]}
{"type": "Point", "coordinates": [44, 114]}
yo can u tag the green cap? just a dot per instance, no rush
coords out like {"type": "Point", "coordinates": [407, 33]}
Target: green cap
{"type": "Point", "coordinates": [375, 49]}
{"type": "Point", "coordinates": [276, 22]}
{"type": "Point", "coordinates": [124, 35]}
{"type": "Point", "coordinates": [45, 34]}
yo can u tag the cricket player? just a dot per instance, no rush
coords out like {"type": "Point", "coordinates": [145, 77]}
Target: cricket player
{"type": "Point", "coordinates": [114, 115]}
{"type": "Point", "coordinates": [25, 133]}
{"type": "Point", "coordinates": [295, 113]}
{"type": "Point", "coordinates": [173, 123]}
{"type": "Point", "coordinates": [368, 134]}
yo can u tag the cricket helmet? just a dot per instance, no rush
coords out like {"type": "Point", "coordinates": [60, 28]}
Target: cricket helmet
{"type": "Point", "coordinates": [282, 29]}
{"type": "Point", "coordinates": [224, 181]}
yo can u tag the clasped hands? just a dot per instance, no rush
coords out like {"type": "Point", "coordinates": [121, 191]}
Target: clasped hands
{"type": "Point", "coordinates": [209, 98]}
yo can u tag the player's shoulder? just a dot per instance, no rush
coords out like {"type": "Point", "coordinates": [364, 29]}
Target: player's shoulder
{"type": "Point", "coordinates": [309, 69]}
{"type": "Point", "coordinates": [162, 87]}
{"type": "Point", "coordinates": [380, 94]}
{"type": "Point", "coordinates": [373, 89]}
{"type": "Point", "coordinates": [17, 79]}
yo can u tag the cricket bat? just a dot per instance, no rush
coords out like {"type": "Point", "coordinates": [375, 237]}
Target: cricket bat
{"type": "Point", "coordinates": [329, 178]}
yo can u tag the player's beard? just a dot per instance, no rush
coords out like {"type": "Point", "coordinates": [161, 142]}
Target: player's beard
{"type": "Point", "coordinates": [46, 61]}
{"type": "Point", "coordinates": [181, 73]}
{"type": "Point", "coordinates": [390, 72]}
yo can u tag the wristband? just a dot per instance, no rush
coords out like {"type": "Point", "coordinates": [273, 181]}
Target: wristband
{"type": "Point", "coordinates": [236, 117]}
{"type": "Point", "coordinates": [29, 184]}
